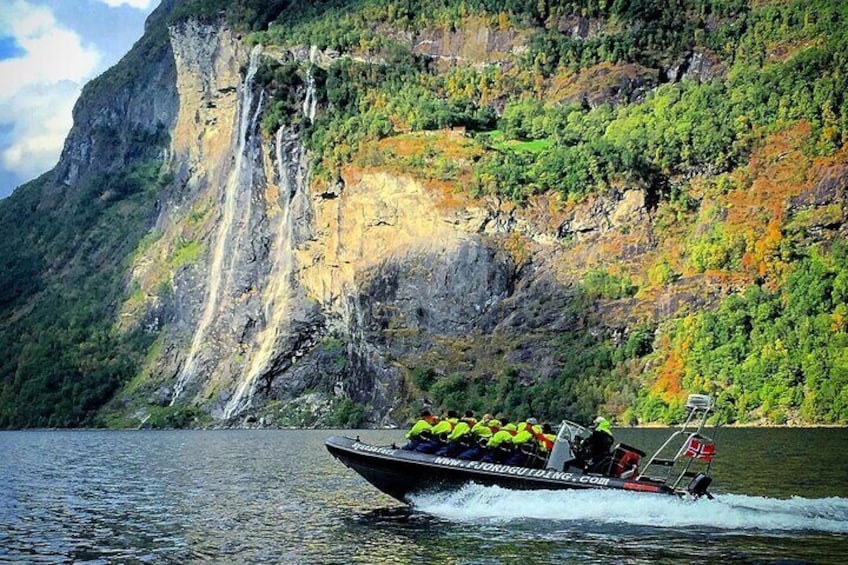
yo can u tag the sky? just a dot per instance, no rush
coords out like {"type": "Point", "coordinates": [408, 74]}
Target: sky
{"type": "Point", "coordinates": [49, 49]}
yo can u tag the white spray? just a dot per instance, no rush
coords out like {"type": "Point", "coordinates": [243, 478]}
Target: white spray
{"type": "Point", "coordinates": [475, 503]}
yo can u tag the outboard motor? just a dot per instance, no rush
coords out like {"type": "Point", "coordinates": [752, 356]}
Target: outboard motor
{"type": "Point", "coordinates": [698, 486]}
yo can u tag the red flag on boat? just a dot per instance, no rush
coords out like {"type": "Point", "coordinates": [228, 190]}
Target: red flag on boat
{"type": "Point", "coordinates": [700, 448]}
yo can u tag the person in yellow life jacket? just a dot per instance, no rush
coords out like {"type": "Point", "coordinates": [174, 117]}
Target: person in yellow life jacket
{"type": "Point", "coordinates": [524, 442]}
{"type": "Point", "coordinates": [460, 437]}
{"type": "Point", "coordinates": [595, 449]}
{"type": "Point", "coordinates": [480, 434]}
{"type": "Point", "coordinates": [421, 431]}
{"type": "Point", "coordinates": [546, 439]}
{"type": "Point", "coordinates": [482, 429]}
{"type": "Point", "coordinates": [440, 433]}
{"type": "Point", "coordinates": [525, 431]}
{"type": "Point", "coordinates": [500, 446]}
{"type": "Point", "coordinates": [496, 423]}
{"type": "Point", "coordinates": [446, 425]}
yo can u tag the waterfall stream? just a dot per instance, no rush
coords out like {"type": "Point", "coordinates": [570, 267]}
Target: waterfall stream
{"type": "Point", "coordinates": [279, 292]}
{"type": "Point", "coordinates": [280, 287]}
{"type": "Point", "coordinates": [310, 102]}
{"type": "Point", "coordinates": [239, 174]}
{"type": "Point", "coordinates": [234, 226]}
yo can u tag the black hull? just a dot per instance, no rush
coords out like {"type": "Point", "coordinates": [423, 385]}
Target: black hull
{"type": "Point", "coordinates": [400, 473]}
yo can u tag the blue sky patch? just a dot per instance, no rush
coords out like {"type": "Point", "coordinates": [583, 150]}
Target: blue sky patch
{"type": "Point", "coordinates": [9, 48]}
{"type": "Point", "coordinates": [105, 31]}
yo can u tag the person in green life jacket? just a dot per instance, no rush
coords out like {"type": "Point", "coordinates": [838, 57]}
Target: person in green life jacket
{"type": "Point", "coordinates": [480, 434]}
{"type": "Point", "coordinates": [421, 431]}
{"type": "Point", "coordinates": [460, 437]}
{"type": "Point", "coordinates": [524, 438]}
{"type": "Point", "coordinates": [446, 425]}
{"type": "Point", "coordinates": [500, 446]}
{"type": "Point", "coordinates": [440, 433]}
{"type": "Point", "coordinates": [486, 427]}
{"type": "Point", "coordinates": [595, 449]}
{"type": "Point", "coordinates": [546, 439]}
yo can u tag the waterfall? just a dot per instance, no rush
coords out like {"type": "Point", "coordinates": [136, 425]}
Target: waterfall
{"type": "Point", "coordinates": [239, 174]}
{"type": "Point", "coordinates": [279, 291]}
{"type": "Point", "coordinates": [310, 103]}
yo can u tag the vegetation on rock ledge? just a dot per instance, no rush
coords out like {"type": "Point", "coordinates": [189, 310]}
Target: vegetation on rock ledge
{"type": "Point", "coordinates": [725, 113]}
{"type": "Point", "coordinates": [722, 92]}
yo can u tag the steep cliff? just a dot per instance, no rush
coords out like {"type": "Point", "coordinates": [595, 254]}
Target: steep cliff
{"type": "Point", "coordinates": [249, 273]}
{"type": "Point", "coordinates": [290, 228]}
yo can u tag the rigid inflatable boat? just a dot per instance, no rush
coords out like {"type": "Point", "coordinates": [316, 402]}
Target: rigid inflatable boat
{"type": "Point", "coordinates": [680, 467]}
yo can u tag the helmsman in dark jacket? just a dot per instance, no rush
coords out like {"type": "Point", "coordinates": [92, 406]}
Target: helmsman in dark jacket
{"type": "Point", "coordinates": [595, 449]}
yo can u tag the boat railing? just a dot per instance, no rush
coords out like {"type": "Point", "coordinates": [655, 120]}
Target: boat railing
{"type": "Point", "coordinates": [688, 441]}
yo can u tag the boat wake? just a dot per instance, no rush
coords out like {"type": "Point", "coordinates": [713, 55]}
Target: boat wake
{"type": "Point", "coordinates": [732, 512]}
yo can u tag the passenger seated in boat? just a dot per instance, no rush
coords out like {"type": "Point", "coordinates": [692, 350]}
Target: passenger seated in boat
{"type": "Point", "coordinates": [546, 439]}
{"type": "Point", "coordinates": [421, 431]}
{"type": "Point", "coordinates": [440, 433]}
{"type": "Point", "coordinates": [500, 445]}
{"type": "Point", "coordinates": [524, 444]}
{"type": "Point", "coordinates": [480, 434]}
{"type": "Point", "coordinates": [521, 439]}
{"type": "Point", "coordinates": [487, 426]}
{"type": "Point", "coordinates": [460, 437]}
{"type": "Point", "coordinates": [594, 451]}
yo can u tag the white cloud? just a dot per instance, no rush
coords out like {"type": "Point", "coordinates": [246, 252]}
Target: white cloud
{"type": "Point", "coordinates": [137, 4]}
{"type": "Point", "coordinates": [38, 89]}
{"type": "Point", "coordinates": [41, 118]}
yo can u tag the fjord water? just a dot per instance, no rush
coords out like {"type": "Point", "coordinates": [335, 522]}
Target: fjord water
{"type": "Point", "coordinates": [277, 496]}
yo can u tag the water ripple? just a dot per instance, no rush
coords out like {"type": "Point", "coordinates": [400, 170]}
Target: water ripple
{"type": "Point", "coordinates": [278, 497]}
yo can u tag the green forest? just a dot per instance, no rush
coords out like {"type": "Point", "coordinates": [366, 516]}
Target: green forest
{"type": "Point", "coordinates": [709, 150]}
{"type": "Point", "coordinates": [772, 353]}
{"type": "Point", "coordinates": [60, 356]}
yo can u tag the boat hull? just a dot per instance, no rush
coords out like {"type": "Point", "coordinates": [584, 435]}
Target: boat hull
{"type": "Point", "coordinates": [400, 473]}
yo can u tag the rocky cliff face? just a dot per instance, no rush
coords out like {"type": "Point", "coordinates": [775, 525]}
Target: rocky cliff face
{"type": "Point", "coordinates": [270, 299]}
{"type": "Point", "coordinates": [125, 114]}
{"type": "Point", "coordinates": [292, 299]}
{"type": "Point", "coordinates": [297, 298]}
{"type": "Point", "coordinates": [231, 308]}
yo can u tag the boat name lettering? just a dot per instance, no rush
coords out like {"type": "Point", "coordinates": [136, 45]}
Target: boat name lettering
{"type": "Point", "coordinates": [523, 471]}
{"type": "Point", "coordinates": [483, 466]}
{"type": "Point", "coordinates": [570, 477]}
{"type": "Point", "coordinates": [497, 468]}
{"type": "Point", "coordinates": [451, 462]}
{"type": "Point", "coordinates": [556, 475]}
{"type": "Point", "coordinates": [593, 480]}
{"type": "Point", "coordinates": [373, 449]}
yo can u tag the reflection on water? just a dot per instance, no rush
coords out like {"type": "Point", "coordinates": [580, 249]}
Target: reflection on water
{"type": "Point", "coordinates": [278, 497]}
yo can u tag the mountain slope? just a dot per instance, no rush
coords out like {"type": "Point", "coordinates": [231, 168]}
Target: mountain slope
{"type": "Point", "coordinates": [329, 215]}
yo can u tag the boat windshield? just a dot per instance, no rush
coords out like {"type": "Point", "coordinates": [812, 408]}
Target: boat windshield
{"type": "Point", "coordinates": [570, 431]}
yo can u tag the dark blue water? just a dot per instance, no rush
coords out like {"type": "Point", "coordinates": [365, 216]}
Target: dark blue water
{"type": "Point", "coordinates": [278, 497]}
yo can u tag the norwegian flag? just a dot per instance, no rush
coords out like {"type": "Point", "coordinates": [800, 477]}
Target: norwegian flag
{"type": "Point", "coordinates": [700, 448]}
